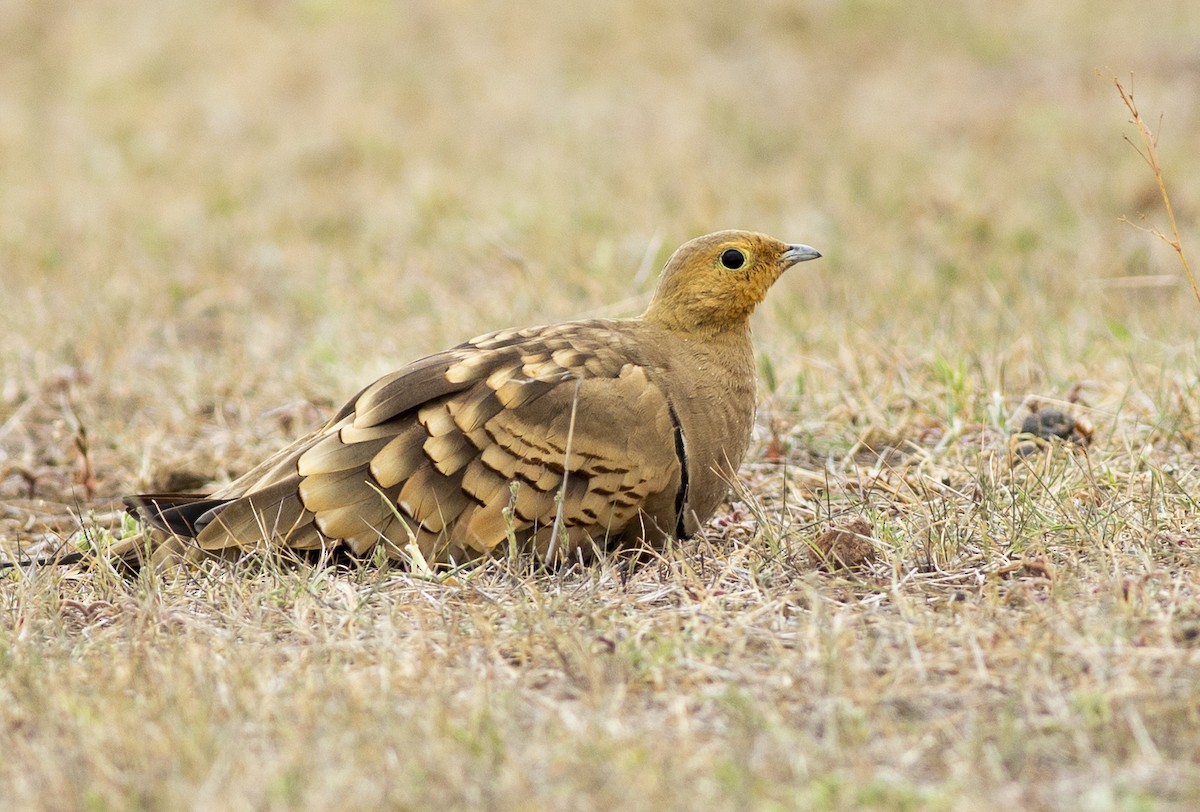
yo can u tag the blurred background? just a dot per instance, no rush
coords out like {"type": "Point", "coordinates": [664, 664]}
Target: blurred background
{"type": "Point", "coordinates": [218, 220]}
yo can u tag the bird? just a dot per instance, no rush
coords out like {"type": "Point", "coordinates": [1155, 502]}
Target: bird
{"type": "Point", "coordinates": [565, 440]}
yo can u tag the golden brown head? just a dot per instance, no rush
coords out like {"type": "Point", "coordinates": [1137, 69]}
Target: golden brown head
{"type": "Point", "coordinates": [713, 283]}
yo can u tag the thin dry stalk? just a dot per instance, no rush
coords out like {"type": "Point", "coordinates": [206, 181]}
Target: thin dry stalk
{"type": "Point", "coordinates": [1149, 153]}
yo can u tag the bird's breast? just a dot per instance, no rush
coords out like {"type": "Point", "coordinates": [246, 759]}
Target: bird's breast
{"type": "Point", "coordinates": [712, 390]}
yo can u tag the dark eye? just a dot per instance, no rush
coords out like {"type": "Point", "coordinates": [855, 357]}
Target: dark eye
{"type": "Point", "coordinates": [733, 259]}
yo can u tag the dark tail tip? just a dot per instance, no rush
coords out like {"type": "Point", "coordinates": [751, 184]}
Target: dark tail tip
{"type": "Point", "coordinates": [182, 514]}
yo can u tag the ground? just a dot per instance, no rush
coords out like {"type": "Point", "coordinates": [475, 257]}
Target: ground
{"type": "Point", "coordinates": [217, 221]}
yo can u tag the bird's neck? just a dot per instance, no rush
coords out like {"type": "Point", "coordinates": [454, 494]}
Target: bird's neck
{"type": "Point", "coordinates": [704, 326]}
{"type": "Point", "coordinates": [728, 351]}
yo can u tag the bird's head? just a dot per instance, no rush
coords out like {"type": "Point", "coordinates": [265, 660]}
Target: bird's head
{"type": "Point", "coordinates": [713, 283]}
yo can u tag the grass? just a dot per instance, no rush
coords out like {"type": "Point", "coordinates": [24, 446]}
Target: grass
{"type": "Point", "coordinates": [1149, 153]}
{"type": "Point", "coordinates": [219, 221]}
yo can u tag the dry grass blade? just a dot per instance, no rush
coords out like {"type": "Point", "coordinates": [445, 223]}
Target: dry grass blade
{"type": "Point", "coordinates": [1149, 153]}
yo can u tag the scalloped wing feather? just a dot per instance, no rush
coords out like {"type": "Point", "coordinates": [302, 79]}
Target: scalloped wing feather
{"type": "Point", "coordinates": [500, 436]}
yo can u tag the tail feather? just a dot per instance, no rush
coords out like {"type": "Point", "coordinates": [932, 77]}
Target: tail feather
{"type": "Point", "coordinates": [182, 514]}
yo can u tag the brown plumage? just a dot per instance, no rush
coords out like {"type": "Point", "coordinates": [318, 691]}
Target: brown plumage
{"type": "Point", "coordinates": [565, 438]}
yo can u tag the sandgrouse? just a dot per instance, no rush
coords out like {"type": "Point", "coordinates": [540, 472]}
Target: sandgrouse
{"type": "Point", "coordinates": [565, 439]}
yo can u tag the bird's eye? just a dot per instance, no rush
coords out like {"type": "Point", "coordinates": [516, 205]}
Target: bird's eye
{"type": "Point", "coordinates": [732, 259]}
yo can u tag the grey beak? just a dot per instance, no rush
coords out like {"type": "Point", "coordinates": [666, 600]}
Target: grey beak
{"type": "Point", "coordinates": [799, 253]}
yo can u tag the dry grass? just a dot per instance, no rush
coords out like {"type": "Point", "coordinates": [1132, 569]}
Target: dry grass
{"type": "Point", "coordinates": [217, 220]}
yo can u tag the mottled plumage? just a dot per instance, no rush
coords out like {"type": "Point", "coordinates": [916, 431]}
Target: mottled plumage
{"type": "Point", "coordinates": [564, 438]}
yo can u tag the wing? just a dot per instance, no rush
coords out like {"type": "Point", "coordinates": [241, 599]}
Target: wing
{"type": "Point", "coordinates": [561, 436]}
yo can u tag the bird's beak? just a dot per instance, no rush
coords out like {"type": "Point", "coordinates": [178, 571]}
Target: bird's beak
{"type": "Point", "coordinates": [799, 253]}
